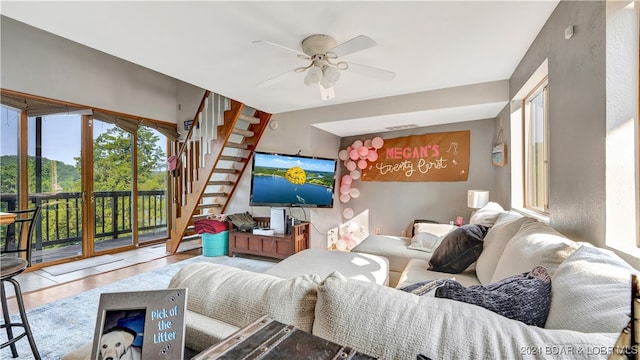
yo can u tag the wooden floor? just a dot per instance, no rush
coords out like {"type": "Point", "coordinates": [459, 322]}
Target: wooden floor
{"type": "Point", "coordinates": [52, 293]}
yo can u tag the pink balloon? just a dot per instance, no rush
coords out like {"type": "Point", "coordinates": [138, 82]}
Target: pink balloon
{"type": "Point", "coordinates": [347, 179]}
{"type": "Point", "coordinates": [345, 189]}
{"type": "Point", "coordinates": [377, 142]}
{"type": "Point", "coordinates": [372, 155]}
{"type": "Point", "coordinates": [345, 198]}
{"type": "Point", "coordinates": [362, 164]}
{"type": "Point", "coordinates": [351, 165]}
{"type": "Point", "coordinates": [367, 143]}
{"type": "Point", "coordinates": [343, 155]}
{"type": "Point", "coordinates": [347, 213]}
{"type": "Point", "coordinates": [357, 144]}
{"type": "Point", "coordinates": [363, 151]}
{"type": "Point", "coordinates": [354, 154]}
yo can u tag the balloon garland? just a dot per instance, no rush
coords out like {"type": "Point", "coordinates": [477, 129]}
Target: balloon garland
{"type": "Point", "coordinates": [356, 157]}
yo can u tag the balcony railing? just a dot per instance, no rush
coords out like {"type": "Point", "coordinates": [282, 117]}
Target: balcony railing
{"type": "Point", "coordinates": [60, 226]}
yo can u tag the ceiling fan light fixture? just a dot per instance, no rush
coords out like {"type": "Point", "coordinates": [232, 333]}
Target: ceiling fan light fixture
{"type": "Point", "coordinates": [313, 77]}
{"type": "Point", "coordinates": [331, 74]}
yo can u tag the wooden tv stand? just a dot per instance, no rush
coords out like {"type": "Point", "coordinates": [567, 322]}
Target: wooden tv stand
{"type": "Point", "coordinates": [278, 246]}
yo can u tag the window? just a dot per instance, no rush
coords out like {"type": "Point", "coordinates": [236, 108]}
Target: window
{"type": "Point", "coordinates": [536, 154]}
{"type": "Point", "coordinates": [530, 146]}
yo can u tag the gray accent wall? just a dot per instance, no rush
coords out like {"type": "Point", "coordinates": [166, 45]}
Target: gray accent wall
{"type": "Point", "coordinates": [394, 205]}
{"type": "Point", "coordinates": [577, 118]}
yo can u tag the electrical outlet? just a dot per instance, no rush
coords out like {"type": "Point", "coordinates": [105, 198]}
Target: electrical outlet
{"type": "Point", "coordinates": [377, 231]}
{"type": "Point", "coordinates": [332, 236]}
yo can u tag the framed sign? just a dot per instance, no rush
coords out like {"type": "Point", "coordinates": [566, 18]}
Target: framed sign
{"type": "Point", "coordinates": [499, 155]}
{"type": "Point", "coordinates": [140, 325]}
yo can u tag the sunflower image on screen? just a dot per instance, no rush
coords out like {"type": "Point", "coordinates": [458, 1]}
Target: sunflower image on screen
{"type": "Point", "coordinates": [296, 175]}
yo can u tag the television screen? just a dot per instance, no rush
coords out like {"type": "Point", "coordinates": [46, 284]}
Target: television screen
{"type": "Point", "coordinates": [292, 180]}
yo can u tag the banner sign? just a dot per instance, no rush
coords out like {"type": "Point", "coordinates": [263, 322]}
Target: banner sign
{"type": "Point", "coordinates": [428, 157]}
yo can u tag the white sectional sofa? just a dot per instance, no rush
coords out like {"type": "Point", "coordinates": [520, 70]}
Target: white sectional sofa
{"type": "Point", "coordinates": [590, 300]}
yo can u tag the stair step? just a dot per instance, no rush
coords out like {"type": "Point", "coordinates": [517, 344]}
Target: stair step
{"type": "Point", "coordinates": [209, 206]}
{"type": "Point", "coordinates": [221, 182]}
{"type": "Point", "coordinates": [191, 237]}
{"type": "Point", "coordinates": [225, 171]}
{"type": "Point", "coordinates": [231, 158]}
{"type": "Point", "coordinates": [237, 145]}
{"type": "Point", "coordinates": [251, 119]}
{"type": "Point", "coordinates": [215, 194]}
{"type": "Point", "coordinates": [243, 132]}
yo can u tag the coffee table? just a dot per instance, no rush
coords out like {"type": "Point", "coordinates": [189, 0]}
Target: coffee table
{"type": "Point", "coordinates": [269, 339]}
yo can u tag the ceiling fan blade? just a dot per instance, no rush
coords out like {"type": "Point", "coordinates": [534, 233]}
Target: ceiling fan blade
{"type": "Point", "coordinates": [281, 47]}
{"type": "Point", "coordinates": [371, 71]}
{"type": "Point", "coordinates": [358, 43]}
{"type": "Point", "coordinates": [275, 79]}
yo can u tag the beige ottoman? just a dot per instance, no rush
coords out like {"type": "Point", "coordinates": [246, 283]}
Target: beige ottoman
{"type": "Point", "coordinates": [357, 266]}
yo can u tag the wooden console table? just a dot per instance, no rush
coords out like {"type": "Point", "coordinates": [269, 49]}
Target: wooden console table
{"type": "Point", "coordinates": [277, 246]}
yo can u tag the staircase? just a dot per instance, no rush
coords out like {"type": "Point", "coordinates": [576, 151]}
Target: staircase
{"type": "Point", "coordinates": [210, 161]}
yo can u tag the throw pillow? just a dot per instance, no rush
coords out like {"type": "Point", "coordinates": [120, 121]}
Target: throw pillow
{"type": "Point", "coordinates": [494, 243]}
{"type": "Point", "coordinates": [487, 215]}
{"type": "Point", "coordinates": [429, 236]}
{"type": "Point", "coordinates": [525, 297]}
{"type": "Point", "coordinates": [591, 292]}
{"type": "Point", "coordinates": [534, 244]}
{"type": "Point", "coordinates": [459, 249]}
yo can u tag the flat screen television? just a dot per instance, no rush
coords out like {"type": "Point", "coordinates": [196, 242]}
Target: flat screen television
{"type": "Point", "coordinates": [280, 180]}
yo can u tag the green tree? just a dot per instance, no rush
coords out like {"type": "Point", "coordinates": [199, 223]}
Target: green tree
{"type": "Point", "coordinates": [112, 154]}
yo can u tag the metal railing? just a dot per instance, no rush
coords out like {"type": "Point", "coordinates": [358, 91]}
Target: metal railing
{"type": "Point", "coordinates": [61, 225]}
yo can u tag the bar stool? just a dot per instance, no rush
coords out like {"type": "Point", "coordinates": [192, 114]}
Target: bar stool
{"type": "Point", "coordinates": [17, 241]}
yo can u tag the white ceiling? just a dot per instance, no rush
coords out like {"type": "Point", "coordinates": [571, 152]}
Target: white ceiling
{"type": "Point", "coordinates": [430, 45]}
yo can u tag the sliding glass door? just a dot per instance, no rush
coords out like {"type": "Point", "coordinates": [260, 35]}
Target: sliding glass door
{"type": "Point", "coordinates": [101, 188]}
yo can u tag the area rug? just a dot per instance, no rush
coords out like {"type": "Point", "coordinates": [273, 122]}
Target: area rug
{"type": "Point", "coordinates": [66, 324]}
{"type": "Point", "coordinates": [61, 269]}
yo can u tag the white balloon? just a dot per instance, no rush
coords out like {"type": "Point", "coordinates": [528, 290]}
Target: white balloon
{"type": "Point", "coordinates": [347, 213]}
{"type": "Point", "coordinates": [353, 227]}
{"type": "Point", "coordinates": [354, 193]}
{"type": "Point", "coordinates": [355, 174]}
{"type": "Point", "coordinates": [341, 245]}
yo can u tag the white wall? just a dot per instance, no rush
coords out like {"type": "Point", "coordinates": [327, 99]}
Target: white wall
{"type": "Point", "coordinates": [39, 63]}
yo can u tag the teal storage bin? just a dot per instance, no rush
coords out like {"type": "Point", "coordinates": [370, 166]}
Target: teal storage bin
{"type": "Point", "coordinates": [215, 244]}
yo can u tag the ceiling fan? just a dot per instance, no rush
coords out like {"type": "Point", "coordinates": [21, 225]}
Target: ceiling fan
{"type": "Point", "coordinates": [325, 65]}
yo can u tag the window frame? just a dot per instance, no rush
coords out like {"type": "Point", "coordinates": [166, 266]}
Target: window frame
{"type": "Point", "coordinates": [529, 193]}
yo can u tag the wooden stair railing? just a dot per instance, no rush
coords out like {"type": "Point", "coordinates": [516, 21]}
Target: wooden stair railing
{"type": "Point", "coordinates": [209, 164]}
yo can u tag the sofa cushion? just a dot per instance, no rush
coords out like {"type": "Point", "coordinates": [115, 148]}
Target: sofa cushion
{"type": "Point", "coordinates": [591, 292]}
{"type": "Point", "coordinates": [494, 243]}
{"type": "Point", "coordinates": [487, 215]}
{"type": "Point", "coordinates": [390, 324]}
{"type": "Point", "coordinates": [427, 237]}
{"type": "Point", "coordinates": [394, 248]}
{"type": "Point", "coordinates": [534, 244]}
{"type": "Point", "coordinates": [525, 297]}
{"type": "Point", "coordinates": [238, 297]}
{"type": "Point", "coordinates": [459, 249]}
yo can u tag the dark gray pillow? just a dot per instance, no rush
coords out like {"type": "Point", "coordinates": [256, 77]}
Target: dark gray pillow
{"type": "Point", "coordinates": [459, 249]}
{"type": "Point", "coordinates": [525, 297]}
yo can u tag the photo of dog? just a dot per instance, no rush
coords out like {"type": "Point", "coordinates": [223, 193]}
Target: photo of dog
{"type": "Point", "coordinates": [116, 344]}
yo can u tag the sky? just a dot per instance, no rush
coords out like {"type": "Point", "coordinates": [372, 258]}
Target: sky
{"type": "Point", "coordinates": [61, 135]}
{"type": "Point", "coordinates": [288, 161]}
